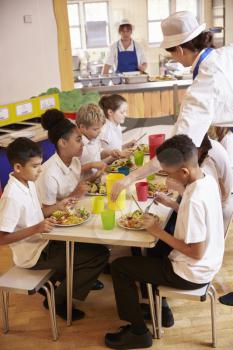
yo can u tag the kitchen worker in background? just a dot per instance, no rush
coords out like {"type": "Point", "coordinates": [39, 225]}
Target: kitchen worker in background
{"type": "Point", "coordinates": [209, 100]}
{"type": "Point", "coordinates": [126, 55]}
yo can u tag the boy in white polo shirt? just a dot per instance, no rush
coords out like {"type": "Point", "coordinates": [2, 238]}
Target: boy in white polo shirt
{"type": "Point", "coordinates": [21, 217]}
{"type": "Point", "coordinates": [22, 222]}
{"type": "Point", "coordinates": [90, 120]}
{"type": "Point", "coordinates": [197, 244]}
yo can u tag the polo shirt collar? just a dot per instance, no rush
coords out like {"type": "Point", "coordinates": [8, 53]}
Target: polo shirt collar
{"type": "Point", "coordinates": [19, 184]}
{"type": "Point", "coordinates": [64, 168]}
{"type": "Point", "coordinates": [113, 125]}
{"type": "Point", "coordinates": [85, 140]}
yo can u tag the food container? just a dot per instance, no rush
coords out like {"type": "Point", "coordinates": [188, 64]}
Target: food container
{"type": "Point", "coordinates": [116, 79]}
{"type": "Point", "coordinates": [84, 79]}
{"type": "Point", "coordinates": [95, 80]}
{"type": "Point", "coordinates": [137, 79]}
{"type": "Point", "coordinates": [105, 79]}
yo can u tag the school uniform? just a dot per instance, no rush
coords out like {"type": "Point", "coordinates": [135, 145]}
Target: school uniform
{"type": "Point", "coordinates": [227, 143]}
{"type": "Point", "coordinates": [20, 208]}
{"type": "Point", "coordinates": [111, 136]}
{"type": "Point", "coordinates": [56, 182]}
{"type": "Point", "coordinates": [209, 100]}
{"type": "Point", "coordinates": [225, 176]}
{"type": "Point", "coordinates": [125, 60]}
{"type": "Point", "coordinates": [199, 219]}
{"type": "Point", "coordinates": [91, 150]}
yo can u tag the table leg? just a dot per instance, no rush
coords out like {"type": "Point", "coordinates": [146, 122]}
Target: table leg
{"type": "Point", "coordinates": [69, 283]}
{"type": "Point", "coordinates": [71, 271]}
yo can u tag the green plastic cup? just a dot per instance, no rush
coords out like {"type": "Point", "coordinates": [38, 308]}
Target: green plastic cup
{"type": "Point", "coordinates": [138, 157]}
{"type": "Point", "coordinates": [108, 219]}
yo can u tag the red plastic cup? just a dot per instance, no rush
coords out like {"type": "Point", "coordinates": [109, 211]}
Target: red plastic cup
{"type": "Point", "coordinates": [142, 191]}
{"type": "Point", "coordinates": [154, 142]}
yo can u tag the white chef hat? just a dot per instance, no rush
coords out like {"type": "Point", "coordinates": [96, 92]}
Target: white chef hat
{"type": "Point", "coordinates": [180, 28]}
{"type": "Point", "coordinates": [125, 21]}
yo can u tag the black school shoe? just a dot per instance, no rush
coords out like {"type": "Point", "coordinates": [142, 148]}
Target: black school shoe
{"type": "Point", "coordinates": [125, 339]}
{"type": "Point", "coordinates": [97, 285]}
{"type": "Point", "coordinates": [167, 316]}
{"type": "Point", "coordinates": [61, 310]}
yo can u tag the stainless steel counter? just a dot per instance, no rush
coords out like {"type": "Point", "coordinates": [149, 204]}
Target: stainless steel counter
{"type": "Point", "coordinates": [157, 85]}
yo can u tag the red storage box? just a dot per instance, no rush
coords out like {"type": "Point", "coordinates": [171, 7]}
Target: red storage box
{"type": "Point", "coordinates": [70, 115]}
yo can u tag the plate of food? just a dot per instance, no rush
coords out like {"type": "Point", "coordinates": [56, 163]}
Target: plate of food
{"type": "Point", "coordinates": [161, 173]}
{"type": "Point", "coordinates": [71, 217]}
{"type": "Point", "coordinates": [133, 221]}
{"type": "Point", "coordinates": [113, 168]}
{"type": "Point", "coordinates": [97, 189]}
{"type": "Point", "coordinates": [143, 147]}
{"type": "Point", "coordinates": [158, 187]}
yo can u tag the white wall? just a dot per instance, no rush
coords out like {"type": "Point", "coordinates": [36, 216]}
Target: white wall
{"type": "Point", "coordinates": [28, 52]}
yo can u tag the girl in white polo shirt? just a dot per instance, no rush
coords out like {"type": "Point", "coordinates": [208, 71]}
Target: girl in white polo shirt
{"type": "Point", "coordinates": [115, 109]}
{"type": "Point", "coordinates": [60, 179]}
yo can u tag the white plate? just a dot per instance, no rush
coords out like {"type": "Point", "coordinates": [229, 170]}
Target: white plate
{"type": "Point", "coordinates": [161, 173]}
{"type": "Point", "coordinates": [169, 193]}
{"type": "Point", "coordinates": [70, 225]}
{"type": "Point", "coordinates": [95, 194]}
{"type": "Point", "coordinates": [26, 133]}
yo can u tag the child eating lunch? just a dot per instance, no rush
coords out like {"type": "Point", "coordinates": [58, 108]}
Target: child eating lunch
{"type": "Point", "coordinates": [115, 108]}
{"type": "Point", "coordinates": [60, 179]}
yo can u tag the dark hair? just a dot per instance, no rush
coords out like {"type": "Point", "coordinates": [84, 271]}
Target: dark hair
{"type": "Point", "coordinates": [127, 26]}
{"type": "Point", "coordinates": [22, 150]}
{"type": "Point", "coordinates": [204, 147]}
{"type": "Point", "coordinates": [202, 41]}
{"type": "Point", "coordinates": [177, 151]}
{"type": "Point", "coordinates": [57, 125]}
{"type": "Point", "coordinates": [112, 102]}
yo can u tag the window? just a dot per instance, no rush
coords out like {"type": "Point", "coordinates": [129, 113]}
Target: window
{"type": "Point", "coordinates": [96, 23]}
{"type": "Point", "coordinates": [89, 24]}
{"type": "Point", "coordinates": [159, 9]}
{"type": "Point", "coordinates": [74, 24]}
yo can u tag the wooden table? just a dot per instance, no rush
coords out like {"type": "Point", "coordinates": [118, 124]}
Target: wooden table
{"type": "Point", "coordinates": [92, 232]}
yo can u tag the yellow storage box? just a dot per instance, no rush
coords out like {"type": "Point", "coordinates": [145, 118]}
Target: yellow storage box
{"type": "Point", "coordinates": [6, 114]}
{"type": "Point", "coordinates": [47, 102]}
{"type": "Point", "coordinates": [24, 110]}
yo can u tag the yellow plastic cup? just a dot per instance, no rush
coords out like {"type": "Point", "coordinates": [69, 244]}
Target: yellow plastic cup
{"type": "Point", "coordinates": [119, 204]}
{"type": "Point", "coordinates": [97, 204]}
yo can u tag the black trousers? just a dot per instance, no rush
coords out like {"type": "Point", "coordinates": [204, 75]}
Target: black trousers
{"type": "Point", "coordinates": [89, 262]}
{"type": "Point", "coordinates": [156, 269]}
{"type": "Point", "coordinates": [161, 249]}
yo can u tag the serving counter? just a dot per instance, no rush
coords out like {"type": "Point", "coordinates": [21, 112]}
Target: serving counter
{"type": "Point", "coordinates": [145, 100]}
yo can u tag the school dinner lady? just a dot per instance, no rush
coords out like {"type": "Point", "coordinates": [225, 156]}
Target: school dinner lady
{"type": "Point", "coordinates": [209, 100]}
{"type": "Point", "coordinates": [126, 55]}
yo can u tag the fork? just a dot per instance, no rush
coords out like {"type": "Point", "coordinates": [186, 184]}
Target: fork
{"type": "Point", "coordinates": [148, 207]}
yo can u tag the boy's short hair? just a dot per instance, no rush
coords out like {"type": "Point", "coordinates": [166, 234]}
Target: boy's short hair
{"type": "Point", "coordinates": [179, 150]}
{"type": "Point", "coordinates": [90, 114]}
{"type": "Point", "coordinates": [22, 150]}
